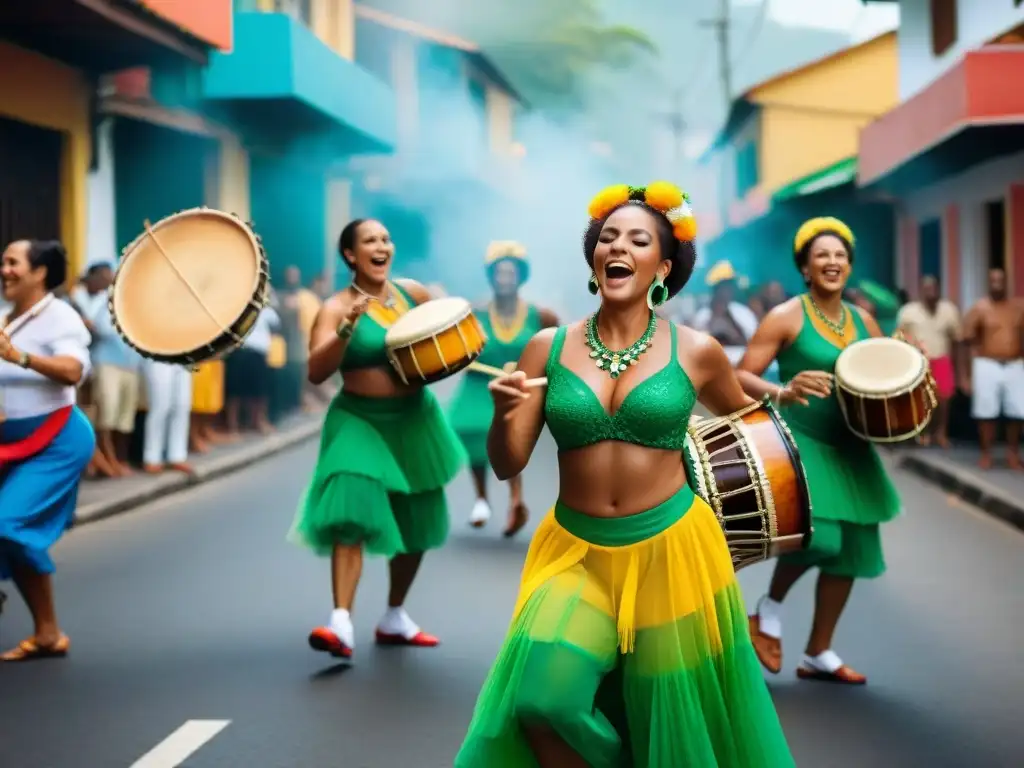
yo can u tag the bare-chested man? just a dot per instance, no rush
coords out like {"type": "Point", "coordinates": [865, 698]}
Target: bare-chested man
{"type": "Point", "coordinates": [994, 336]}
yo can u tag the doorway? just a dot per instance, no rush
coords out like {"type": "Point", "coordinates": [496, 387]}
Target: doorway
{"type": "Point", "coordinates": [29, 182]}
{"type": "Point", "coordinates": [995, 234]}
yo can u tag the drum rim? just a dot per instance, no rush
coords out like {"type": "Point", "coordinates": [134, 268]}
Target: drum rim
{"type": "Point", "coordinates": [259, 288]}
{"type": "Point", "coordinates": [793, 450]}
{"type": "Point", "coordinates": [428, 334]}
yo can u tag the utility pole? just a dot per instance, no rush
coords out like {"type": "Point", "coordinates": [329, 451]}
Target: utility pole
{"type": "Point", "coordinates": [723, 27]}
{"type": "Point", "coordinates": [677, 124]}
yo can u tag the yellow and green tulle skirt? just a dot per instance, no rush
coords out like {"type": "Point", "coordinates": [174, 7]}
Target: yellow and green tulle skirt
{"type": "Point", "coordinates": [630, 640]}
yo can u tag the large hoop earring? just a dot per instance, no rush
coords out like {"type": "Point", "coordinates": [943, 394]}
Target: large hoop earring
{"type": "Point", "coordinates": [592, 285]}
{"type": "Point", "coordinates": [657, 294]}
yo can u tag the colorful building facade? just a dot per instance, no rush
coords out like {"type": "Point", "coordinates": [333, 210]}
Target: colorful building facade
{"type": "Point", "coordinates": [951, 155]}
{"type": "Point", "coordinates": [49, 85]}
{"type": "Point", "coordinates": [455, 158]}
{"type": "Point", "coordinates": [788, 152]}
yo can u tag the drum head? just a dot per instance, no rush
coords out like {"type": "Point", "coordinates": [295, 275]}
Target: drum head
{"type": "Point", "coordinates": [214, 253]}
{"type": "Point", "coordinates": [425, 320]}
{"type": "Point", "coordinates": [880, 366]}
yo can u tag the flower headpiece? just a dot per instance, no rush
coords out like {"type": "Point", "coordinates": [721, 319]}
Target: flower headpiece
{"type": "Point", "coordinates": [817, 226]}
{"type": "Point", "coordinates": [662, 196]}
{"type": "Point", "coordinates": [504, 249]}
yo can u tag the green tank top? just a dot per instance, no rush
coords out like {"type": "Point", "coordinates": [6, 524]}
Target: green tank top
{"type": "Point", "coordinates": [655, 413]}
{"type": "Point", "coordinates": [816, 348]}
{"type": "Point", "coordinates": [366, 348]}
{"type": "Point", "coordinates": [505, 345]}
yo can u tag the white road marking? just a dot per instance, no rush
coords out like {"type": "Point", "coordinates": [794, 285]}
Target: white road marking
{"type": "Point", "coordinates": [182, 744]}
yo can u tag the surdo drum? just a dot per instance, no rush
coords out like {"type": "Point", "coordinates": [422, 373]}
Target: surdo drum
{"type": "Point", "coordinates": [885, 390]}
{"type": "Point", "coordinates": [746, 466]}
{"type": "Point", "coordinates": [190, 288]}
{"type": "Point", "coordinates": [434, 340]}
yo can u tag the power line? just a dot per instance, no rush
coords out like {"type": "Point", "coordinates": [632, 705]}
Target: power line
{"type": "Point", "coordinates": [754, 32]}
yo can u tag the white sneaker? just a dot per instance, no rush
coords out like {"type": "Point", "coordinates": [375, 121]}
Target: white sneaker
{"type": "Point", "coordinates": [481, 514]}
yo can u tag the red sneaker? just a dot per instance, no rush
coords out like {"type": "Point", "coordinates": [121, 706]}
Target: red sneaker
{"type": "Point", "coordinates": [324, 639]}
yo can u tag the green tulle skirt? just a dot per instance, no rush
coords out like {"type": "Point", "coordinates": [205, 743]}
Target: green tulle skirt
{"type": "Point", "coordinates": [380, 476]}
{"type": "Point", "coordinates": [851, 495]}
{"type": "Point", "coordinates": [470, 412]}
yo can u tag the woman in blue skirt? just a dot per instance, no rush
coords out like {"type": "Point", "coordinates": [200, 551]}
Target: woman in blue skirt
{"type": "Point", "coordinates": [45, 441]}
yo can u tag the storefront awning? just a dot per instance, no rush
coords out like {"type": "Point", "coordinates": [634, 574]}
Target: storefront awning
{"type": "Point", "coordinates": [99, 36]}
{"type": "Point", "coordinates": [836, 175]}
{"type": "Point", "coordinates": [970, 115]}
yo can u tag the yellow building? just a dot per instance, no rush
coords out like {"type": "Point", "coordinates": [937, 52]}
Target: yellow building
{"type": "Point", "coordinates": [788, 151]}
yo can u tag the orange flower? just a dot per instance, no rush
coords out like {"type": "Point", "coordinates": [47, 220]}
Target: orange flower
{"type": "Point", "coordinates": [609, 198]}
{"type": "Point", "coordinates": [685, 229]}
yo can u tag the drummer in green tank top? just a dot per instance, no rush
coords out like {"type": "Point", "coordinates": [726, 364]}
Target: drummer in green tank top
{"type": "Point", "coordinates": [851, 493]}
{"type": "Point", "coordinates": [510, 323]}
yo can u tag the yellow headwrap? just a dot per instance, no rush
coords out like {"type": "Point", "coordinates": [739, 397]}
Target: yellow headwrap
{"type": "Point", "coordinates": [504, 249]}
{"type": "Point", "coordinates": [814, 227]}
{"type": "Point", "coordinates": [662, 196]}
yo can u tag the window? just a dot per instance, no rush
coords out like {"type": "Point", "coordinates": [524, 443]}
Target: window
{"type": "Point", "coordinates": [943, 15]}
{"type": "Point", "coordinates": [995, 242]}
{"type": "Point", "coordinates": [300, 10]}
{"type": "Point", "coordinates": [746, 169]}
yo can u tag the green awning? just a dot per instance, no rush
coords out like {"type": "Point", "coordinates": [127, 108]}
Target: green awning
{"type": "Point", "coordinates": [843, 172]}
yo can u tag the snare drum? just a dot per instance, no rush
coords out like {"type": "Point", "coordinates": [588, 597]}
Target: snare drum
{"type": "Point", "coordinates": [434, 340]}
{"type": "Point", "coordinates": [192, 290]}
{"type": "Point", "coordinates": [746, 466]}
{"type": "Point", "coordinates": [885, 390]}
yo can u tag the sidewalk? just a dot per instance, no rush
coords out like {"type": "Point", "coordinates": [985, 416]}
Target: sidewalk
{"type": "Point", "coordinates": [98, 499]}
{"type": "Point", "coordinates": [998, 491]}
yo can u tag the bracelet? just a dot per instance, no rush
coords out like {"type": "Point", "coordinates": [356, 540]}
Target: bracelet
{"type": "Point", "coordinates": [345, 331]}
{"type": "Point", "coordinates": [24, 360]}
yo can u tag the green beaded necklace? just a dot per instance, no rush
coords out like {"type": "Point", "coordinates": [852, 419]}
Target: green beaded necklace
{"type": "Point", "coordinates": [615, 362]}
{"type": "Point", "coordinates": [839, 329]}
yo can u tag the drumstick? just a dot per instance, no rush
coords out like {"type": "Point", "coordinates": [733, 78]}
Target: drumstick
{"type": "Point", "coordinates": [490, 370]}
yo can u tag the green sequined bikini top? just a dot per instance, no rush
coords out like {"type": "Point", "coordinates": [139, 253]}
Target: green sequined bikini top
{"type": "Point", "coordinates": [366, 348]}
{"type": "Point", "coordinates": [655, 413]}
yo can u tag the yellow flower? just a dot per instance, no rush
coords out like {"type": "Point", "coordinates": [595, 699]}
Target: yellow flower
{"type": "Point", "coordinates": [663, 196]}
{"type": "Point", "coordinates": [609, 198]}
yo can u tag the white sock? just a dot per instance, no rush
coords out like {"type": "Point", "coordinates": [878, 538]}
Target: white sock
{"type": "Point", "coordinates": [341, 624]}
{"type": "Point", "coordinates": [481, 512]}
{"type": "Point", "coordinates": [769, 614]}
{"type": "Point", "coordinates": [826, 661]}
{"type": "Point", "coordinates": [397, 622]}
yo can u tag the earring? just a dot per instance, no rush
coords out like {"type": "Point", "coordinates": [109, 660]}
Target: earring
{"type": "Point", "coordinates": [657, 294]}
{"type": "Point", "coordinates": [592, 285]}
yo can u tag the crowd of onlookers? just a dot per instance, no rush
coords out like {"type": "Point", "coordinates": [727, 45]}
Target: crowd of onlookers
{"type": "Point", "coordinates": [152, 416]}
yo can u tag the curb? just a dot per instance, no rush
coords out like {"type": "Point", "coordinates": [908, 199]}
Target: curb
{"type": "Point", "coordinates": [167, 485]}
{"type": "Point", "coordinates": [969, 487]}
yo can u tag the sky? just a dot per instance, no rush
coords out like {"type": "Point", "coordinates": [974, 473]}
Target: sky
{"type": "Point", "coordinates": [862, 20]}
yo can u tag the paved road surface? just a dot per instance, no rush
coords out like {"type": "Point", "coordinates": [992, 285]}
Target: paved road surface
{"type": "Point", "coordinates": [197, 610]}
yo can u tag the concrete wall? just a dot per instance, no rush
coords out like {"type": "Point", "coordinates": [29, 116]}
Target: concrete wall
{"type": "Point", "coordinates": [101, 237]}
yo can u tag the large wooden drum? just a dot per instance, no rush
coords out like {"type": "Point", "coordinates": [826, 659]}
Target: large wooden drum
{"type": "Point", "coordinates": [885, 390]}
{"type": "Point", "coordinates": [190, 288]}
{"type": "Point", "coordinates": [434, 340]}
{"type": "Point", "coordinates": [746, 466]}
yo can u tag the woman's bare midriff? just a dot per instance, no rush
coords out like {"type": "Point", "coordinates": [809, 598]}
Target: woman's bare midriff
{"type": "Point", "coordinates": [376, 382]}
{"type": "Point", "coordinates": [614, 479]}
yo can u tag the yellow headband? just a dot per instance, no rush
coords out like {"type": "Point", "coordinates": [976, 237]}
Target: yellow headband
{"type": "Point", "coordinates": [504, 249]}
{"type": "Point", "coordinates": [662, 196]}
{"type": "Point", "coordinates": [814, 227]}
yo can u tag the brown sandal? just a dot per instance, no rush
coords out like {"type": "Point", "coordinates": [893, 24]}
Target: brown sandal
{"type": "Point", "coordinates": [767, 648]}
{"type": "Point", "coordinates": [844, 675]}
{"type": "Point", "coordinates": [30, 650]}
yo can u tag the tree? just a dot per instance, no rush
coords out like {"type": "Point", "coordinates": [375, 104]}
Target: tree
{"type": "Point", "coordinates": [548, 49]}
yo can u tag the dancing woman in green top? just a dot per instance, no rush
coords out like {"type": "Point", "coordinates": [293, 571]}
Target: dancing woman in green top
{"type": "Point", "coordinates": [386, 451]}
{"type": "Point", "coordinates": [851, 493]}
{"type": "Point", "coordinates": [509, 323]}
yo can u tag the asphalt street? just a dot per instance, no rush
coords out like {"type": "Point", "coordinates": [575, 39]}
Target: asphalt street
{"type": "Point", "coordinates": [189, 620]}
